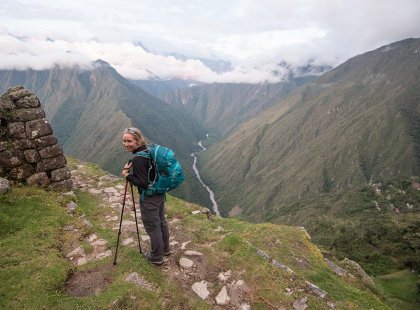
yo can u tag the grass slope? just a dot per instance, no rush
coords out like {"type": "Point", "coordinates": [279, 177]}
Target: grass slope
{"type": "Point", "coordinates": [378, 228]}
{"type": "Point", "coordinates": [34, 270]}
{"type": "Point", "coordinates": [401, 290]}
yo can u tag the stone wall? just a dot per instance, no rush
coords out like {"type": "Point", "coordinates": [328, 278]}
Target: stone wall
{"type": "Point", "coordinates": [29, 152]}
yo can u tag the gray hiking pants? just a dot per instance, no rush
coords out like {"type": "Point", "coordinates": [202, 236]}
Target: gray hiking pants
{"type": "Point", "coordinates": [154, 221]}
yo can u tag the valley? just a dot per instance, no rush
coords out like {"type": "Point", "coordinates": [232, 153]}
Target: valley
{"type": "Point", "coordinates": [338, 153]}
{"type": "Point", "coordinates": [215, 207]}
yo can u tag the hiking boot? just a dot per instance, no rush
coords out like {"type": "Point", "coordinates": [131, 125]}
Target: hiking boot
{"type": "Point", "coordinates": [154, 261]}
{"type": "Point", "coordinates": [167, 253]}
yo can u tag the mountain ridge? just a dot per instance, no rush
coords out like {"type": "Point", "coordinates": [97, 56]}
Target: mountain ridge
{"type": "Point", "coordinates": [221, 107]}
{"type": "Point", "coordinates": [345, 127]}
{"type": "Point", "coordinates": [88, 109]}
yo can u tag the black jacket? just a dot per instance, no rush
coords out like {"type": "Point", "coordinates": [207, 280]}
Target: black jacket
{"type": "Point", "coordinates": [140, 169]}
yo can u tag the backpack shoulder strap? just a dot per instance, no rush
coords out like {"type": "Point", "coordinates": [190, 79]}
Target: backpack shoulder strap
{"type": "Point", "coordinates": [146, 153]}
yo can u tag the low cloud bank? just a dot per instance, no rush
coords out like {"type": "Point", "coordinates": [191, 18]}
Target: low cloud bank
{"type": "Point", "coordinates": [129, 59]}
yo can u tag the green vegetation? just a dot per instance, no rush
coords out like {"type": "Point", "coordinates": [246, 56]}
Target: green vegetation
{"type": "Point", "coordinates": [32, 267]}
{"type": "Point", "coordinates": [287, 245]}
{"type": "Point", "coordinates": [89, 109]}
{"type": "Point", "coordinates": [350, 126]}
{"type": "Point", "coordinates": [377, 225]}
{"type": "Point", "coordinates": [374, 225]}
{"type": "Point", "coordinates": [35, 237]}
{"type": "Point", "coordinates": [401, 288]}
{"type": "Point", "coordinates": [34, 270]}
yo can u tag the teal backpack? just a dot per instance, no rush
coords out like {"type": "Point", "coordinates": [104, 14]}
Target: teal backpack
{"type": "Point", "coordinates": [169, 174]}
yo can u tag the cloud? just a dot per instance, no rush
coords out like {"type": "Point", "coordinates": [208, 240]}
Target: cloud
{"type": "Point", "coordinates": [29, 52]}
{"type": "Point", "coordinates": [253, 35]}
{"type": "Point", "coordinates": [129, 59]}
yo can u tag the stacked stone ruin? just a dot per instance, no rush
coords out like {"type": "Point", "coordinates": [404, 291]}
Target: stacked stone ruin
{"type": "Point", "coordinates": [29, 152]}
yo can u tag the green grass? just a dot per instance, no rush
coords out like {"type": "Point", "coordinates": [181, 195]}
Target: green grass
{"type": "Point", "coordinates": [231, 250]}
{"type": "Point", "coordinates": [360, 224]}
{"type": "Point", "coordinates": [401, 289]}
{"type": "Point", "coordinates": [34, 271]}
{"type": "Point", "coordinates": [31, 263]}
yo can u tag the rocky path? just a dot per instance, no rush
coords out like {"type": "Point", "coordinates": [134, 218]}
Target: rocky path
{"type": "Point", "coordinates": [186, 265]}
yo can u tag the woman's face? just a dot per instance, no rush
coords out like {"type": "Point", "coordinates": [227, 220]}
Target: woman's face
{"type": "Point", "coordinates": [130, 143]}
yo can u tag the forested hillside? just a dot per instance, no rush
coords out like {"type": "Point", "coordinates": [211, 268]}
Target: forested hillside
{"type": "Point", "coordinates": [355, 124]}
{"type": "Point", "coordinates": [89, 109]}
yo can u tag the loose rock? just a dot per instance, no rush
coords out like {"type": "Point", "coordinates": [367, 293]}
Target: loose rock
{"type": "Point", "coordinates": [103, 254]}
{"type": "Point", "coordinates": [100, 242]}
{"type": "Point", "coordinates": [71, 207]}
{"type": "Point", "coordinates": [4, 185]}
{"type": "Point", "coordinates": [224, 276]}
{"type": "Point", "coordinates": [128, 241]}
{"type": "Point", "coordinates": [76, 252]}
{"type": "Point", "coordinates": [200, 288]}
{"type": "Point", "coordinates": [81, 261]}
{"type": "Point", "coordinates": [300, 304]}
{"type": "Point", "coordinates": [184, 244]}
{"type": "Point", "coordinates": [139, 281]}
{"type": "Point", "coordinates": [92, 237]}
{"type": "Point", "coordinates": [222, 298]}
{"type": "Point", "coordinates": [193, 253]}
{"type": "Point", "coordinates": [186, 263]}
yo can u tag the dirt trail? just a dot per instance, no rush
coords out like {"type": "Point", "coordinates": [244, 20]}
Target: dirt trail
{"type": "Point", "coordinates": [186, 265]}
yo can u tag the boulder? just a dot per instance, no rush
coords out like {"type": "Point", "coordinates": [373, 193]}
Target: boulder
{"type": "Point", "coordinates": [49, 164]}
{"type": "Point", "coordinates": [60, 174]}
{"type": "Point", "coordinates": [25, 115]}
{"type": "Point", "coordinates": [32, 156]}
{"type": "Point", "coordinates": [22, 172]}
{"type": "Point", "coordinates": [46, 141]}
{"type": "Point", "coordinates": [51, 151]}
{"type": "Point", "coordinates": [40, 179]}
{"type": "Point", "coordinates": [17, 130]}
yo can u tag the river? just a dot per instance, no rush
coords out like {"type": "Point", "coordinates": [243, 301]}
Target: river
{"type": "Point", "coordinates": [213, 200]}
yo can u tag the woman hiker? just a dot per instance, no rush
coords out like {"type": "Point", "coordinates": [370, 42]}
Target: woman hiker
{"type": "Point", "coordinates": [151, 207]}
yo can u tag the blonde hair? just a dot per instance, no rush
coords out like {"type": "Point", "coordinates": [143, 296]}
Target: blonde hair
{"type": "Point", "coordinates": [136, 133]}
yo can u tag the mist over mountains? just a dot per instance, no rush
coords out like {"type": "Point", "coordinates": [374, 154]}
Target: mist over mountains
{"type": "Point", "coordinates": [219, 107]}
{"type": "Point", "coordinates": [89, 109]}
{"type": "Point", "coordinates": [345, 123]}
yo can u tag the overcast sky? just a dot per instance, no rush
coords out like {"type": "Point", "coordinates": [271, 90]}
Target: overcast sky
{"type": "Point", "coordinates": [255, 36]}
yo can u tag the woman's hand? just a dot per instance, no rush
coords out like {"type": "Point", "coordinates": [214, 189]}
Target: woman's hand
{"type": "Point", "coordinates": [126, 169]}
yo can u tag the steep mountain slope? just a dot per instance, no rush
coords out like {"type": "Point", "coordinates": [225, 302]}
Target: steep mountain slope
{"type": "Point", "coordinates": [356, 123]}
{"type": "Point", "coordinates": [376, 225]}
{"type": "Point", "coordinates": [160, 88]}
{"type": "Point", "coordinates": [220, 107]}
{"type": "Point", "coordinates": [89, 110]}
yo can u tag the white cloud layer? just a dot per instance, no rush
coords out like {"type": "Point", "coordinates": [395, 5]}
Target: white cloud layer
{"type": "Point", "coordinates": [254, 35]}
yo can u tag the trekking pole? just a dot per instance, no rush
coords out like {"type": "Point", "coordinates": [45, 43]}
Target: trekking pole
{"type": "Point", "coordinates": [135, 216]}
{"type": "Point", "coordinates": [119, 230]}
